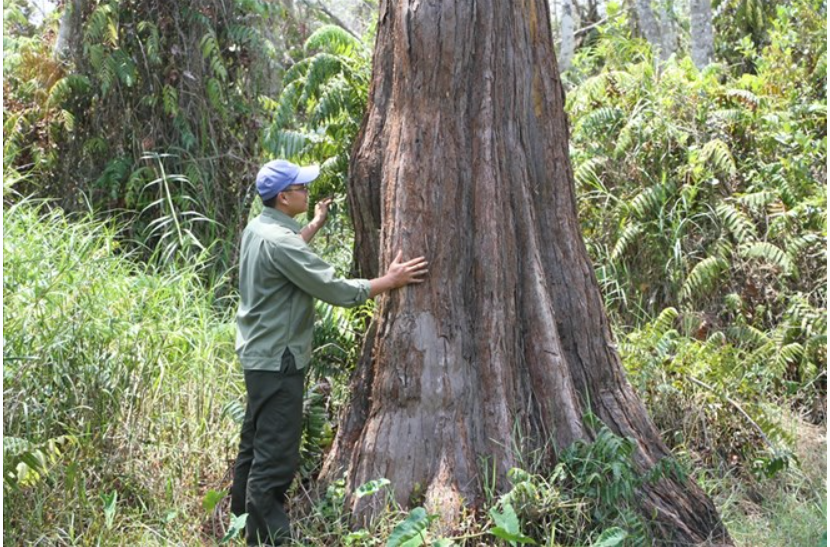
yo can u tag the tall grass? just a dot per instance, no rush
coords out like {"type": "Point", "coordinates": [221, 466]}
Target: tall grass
{"type": "Point", "coordinates": [115, 379]}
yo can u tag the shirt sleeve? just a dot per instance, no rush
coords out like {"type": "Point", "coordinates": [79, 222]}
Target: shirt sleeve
{"type": "Point", "coordinates": [300, 265]}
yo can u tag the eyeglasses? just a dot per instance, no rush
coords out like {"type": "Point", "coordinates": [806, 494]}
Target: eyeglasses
{"type": "Point", "coordinates": [297, 189]}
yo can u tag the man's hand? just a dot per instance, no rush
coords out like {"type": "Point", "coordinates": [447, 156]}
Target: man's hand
{"type": "Point", "coordinates": [321, 210]}
{"type": "Point", "coordinates": [400, 274]}
{"type": "Point", "coordinates": [321, 214]}
{"type": "Point", "coordinates": [404, 273]}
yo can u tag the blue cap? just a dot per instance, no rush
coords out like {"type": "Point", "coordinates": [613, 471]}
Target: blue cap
{"type": "Point", "coordinates": [277, 175]}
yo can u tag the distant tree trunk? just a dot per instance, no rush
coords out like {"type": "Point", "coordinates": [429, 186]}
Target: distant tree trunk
{"type": "Point", "coordinates": [668, 32]}
{"type": "Point", "coordinates": [463, 157]}
{"type": "Point", "coordinates": [567, 30]}
{"type": "Point", "coordinates": [701, 32]}
{"type": "Point", "coordinates": [648, 23]}
{"type": "Point", "coordinates": [69, 29]}
{"type": "Point", "coordinates": [658, 32]}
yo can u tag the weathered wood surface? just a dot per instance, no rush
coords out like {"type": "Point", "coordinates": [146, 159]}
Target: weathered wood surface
{"type": "Point", "coordinates": [463, 157]}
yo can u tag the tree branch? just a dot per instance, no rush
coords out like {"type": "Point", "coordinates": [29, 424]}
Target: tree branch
{"type": "Point", "coordinates": [339, 22]}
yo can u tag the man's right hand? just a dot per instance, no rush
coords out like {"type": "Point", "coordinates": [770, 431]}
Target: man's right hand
{"type": "Point", "coordinates": [404, 273]}
{"type": "Point", "coordinates": [400, 274]}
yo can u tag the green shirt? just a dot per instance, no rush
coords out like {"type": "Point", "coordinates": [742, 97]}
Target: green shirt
{"type": "Point", "coordinates": [279, 278]}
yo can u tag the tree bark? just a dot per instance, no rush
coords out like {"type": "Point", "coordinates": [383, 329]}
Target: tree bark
{"type": "Point", "coordinates": [659, 33]}
{"type": "Point", "coordinates": [463, 158]}
{"type": "Point", "coordinates": [69, 29]}
{"type": "Point", "coordinates": [703, 38]}
{"type": "Point", "coordinates": [567, 29]}
{"type": "Point", "coordinates": [668, 34]}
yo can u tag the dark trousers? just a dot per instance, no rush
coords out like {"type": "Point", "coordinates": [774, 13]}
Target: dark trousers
{"type": "Point", "coordinates": [269, 450]}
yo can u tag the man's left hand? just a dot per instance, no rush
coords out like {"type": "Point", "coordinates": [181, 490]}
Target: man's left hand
{"type": "Point", "coordinates": [321, 210]}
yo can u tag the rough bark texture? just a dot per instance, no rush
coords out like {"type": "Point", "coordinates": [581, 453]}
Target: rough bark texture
{"type": "Point", "coordinates": [703, 39]}
{"type": "Point", "coordinates": [463, 157]}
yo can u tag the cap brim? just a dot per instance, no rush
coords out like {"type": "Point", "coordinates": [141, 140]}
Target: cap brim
{"type": "Point", "coordinates": [307, 174]}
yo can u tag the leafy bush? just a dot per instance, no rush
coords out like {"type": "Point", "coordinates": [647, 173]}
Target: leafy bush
{"type": "Point", "coordinates": [705, 191]}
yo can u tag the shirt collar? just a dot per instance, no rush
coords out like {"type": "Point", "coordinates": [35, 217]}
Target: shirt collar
{"type": "Point", "coordinates": [282, 219]}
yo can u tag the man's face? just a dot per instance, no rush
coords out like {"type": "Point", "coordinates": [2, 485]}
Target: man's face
{"type": "Point", "coordinates": [295, 199]}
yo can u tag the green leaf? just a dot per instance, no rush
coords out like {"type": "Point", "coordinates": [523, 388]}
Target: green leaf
{"type": "Point", "coordinates": [110, 507]}
{"type": "Point", "coordinates": [507, 525]}
{"type": "Point", "coordinates": [412, 528]}
{"type": "Point", "coordinates": [500, 532]}
{"type": "Point", "coordinates": [610, 537]}
{"type": "Point", "coordinates": [211, 499]}
{"type": "Point", "coordinates": [506, 519]}
{"type": "Point", "coordinates": [237, 524]}
{"type": "Point", "coordinates": [371, 487]}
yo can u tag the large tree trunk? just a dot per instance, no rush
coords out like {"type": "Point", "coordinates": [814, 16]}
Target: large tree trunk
{"type": "Point", "coordinates": [702, 36]}
{"type": "Point", "coordinates": [463, 157]}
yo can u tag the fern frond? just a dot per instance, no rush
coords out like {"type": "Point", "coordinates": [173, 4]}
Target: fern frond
{"type": "Point", "coordinates": [758, 201]}
{"type": "Point", "coordinates": [95, 145]}
{"type": "Point", "coordinates": [108, 74]}
{"type": "Point", "coordinates": [67, 119]}
{"type": "Point", "coordinates": [115, 173]}
{"type": "Point", "coordinates": [717, 154]}
{"type": "Point", "coordinates": [212, 54]}
{"type": "Point", "coordinates": [665, 321]}
{"type": "Point", "coordinates": [332, 39]}
{"type": "Point", "coordinates": [738, 224]}
{"type": "Point", "coordinates": [215, 96]}
{"type": "Point", "coordinates": [244, 35]}
{"type": "Point", "coordinates": [170, 100]}
{"type": "Point", "coordinates": [96, 55]}
{"type": "Point", "coordinates": [602, 120]}
{"type": "Point", "coordinates": [585, 174]}
{"type": "Point", "coordinates": [593, 88]}
{"type": "Point", "coordinates": [703, 277]}
{"type": "Point", "coordinates": [286, 107]}
{"type": "Point", "coordinates": [733, 302]}
{"type": "Point", "coordinates": [626, 137]}
{"type": "Point", "coordinates": [124, 67]}
{"type": "Point", "coordinates": [769, 253]}
{"type": "Point", "coordinates": [802, 315]}
{"type": "Point", "coordinates": [746, 98]}
{"type": "Point", "coordinates": [769, 419]}
{"type": "Point", "coordinates": [333, 102]}
{"type": "Point", "coordinates": [805, 243]}
{"type": "Point", "coordinates": [285, 144]}
{"type": "Point", "coordinates": [99, 25]}
{"type": "Point", "coordinates": [323, 66]}
{"type": "Point", "coordinates": [152, 45]}
{"type": "Point", "coordinates": [297, 71]}
{"type": "Point", "coordinates": [729, 115]}
{"type": "Point", "coordinates": [651, 199]}
{"type": "Point", "coordinates": [63, 89]}
{"type": "Point", "coordinates": [787, 355]}
{"type": "Point", "coordinates": [631, 233]}
{"type": "Point", "coordinates": [748, 336]}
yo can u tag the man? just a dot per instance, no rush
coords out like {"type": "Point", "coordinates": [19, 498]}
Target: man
{"type": "Point", "coordinates": [279, 278]}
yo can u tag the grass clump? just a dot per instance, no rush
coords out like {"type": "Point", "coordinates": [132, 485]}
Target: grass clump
{"type": "Point", "coordinates": [114, 381]}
